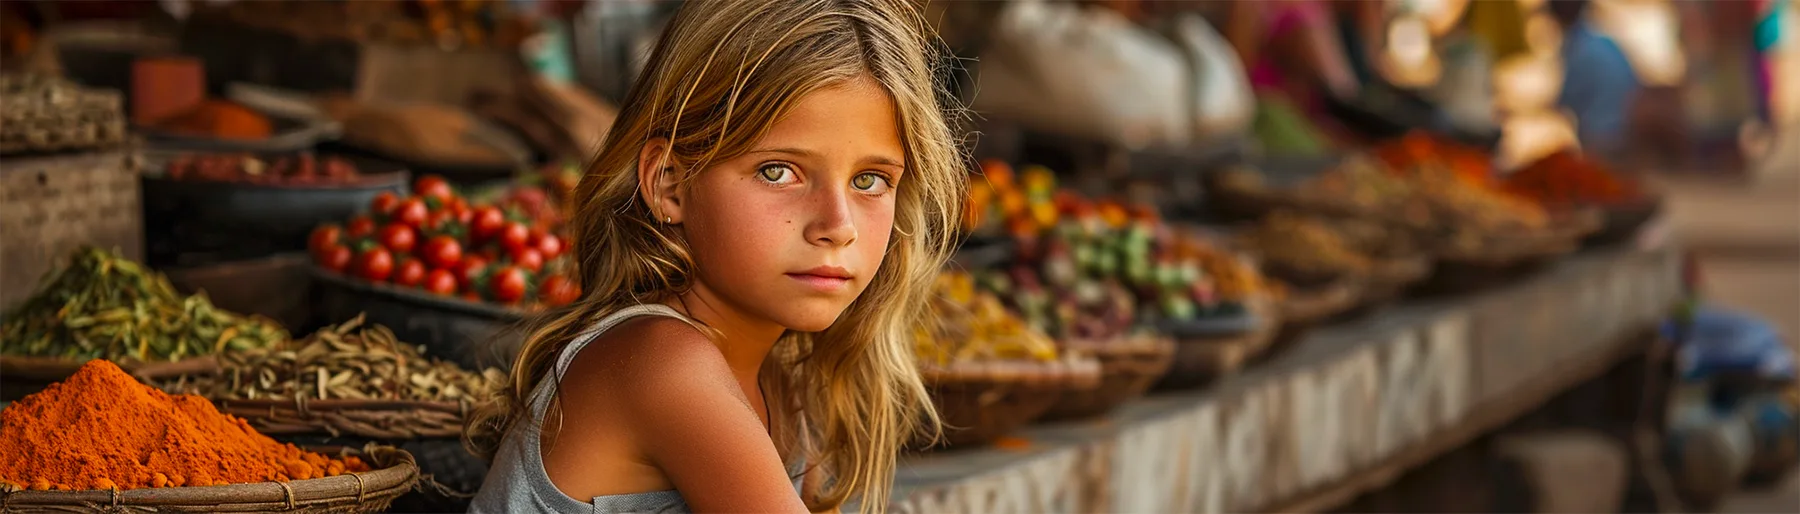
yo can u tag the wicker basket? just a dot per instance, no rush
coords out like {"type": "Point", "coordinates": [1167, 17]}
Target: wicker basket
{"type": "Point", "coordinates": [983, 401]}
{"type": "Point", "coordinates": [1622, 222]}
{"type": "Point", "coordinates": [1503, 261]}
{"type": "Point", "coordinates": [1199, 361]}
{"type": "Point", "coordinates": [1387, 282]}
{"type": "Point", "coordinates": [1306, 307]}
{"type": "Point", "coordinates": [1234, 199]}
{"type": "Point", "coordinates": [1128, 367]}
{"type": "Point", "coordinates": [369, 491]}
{"type": "Point", "coordinates": [388, 420]}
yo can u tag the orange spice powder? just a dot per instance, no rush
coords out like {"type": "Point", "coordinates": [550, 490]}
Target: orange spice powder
{"type": "Point", "coordinates": [102, 429]}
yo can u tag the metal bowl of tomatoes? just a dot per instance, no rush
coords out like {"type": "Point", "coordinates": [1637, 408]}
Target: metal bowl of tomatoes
{"type": "Point", "coordinates": [443, 272]}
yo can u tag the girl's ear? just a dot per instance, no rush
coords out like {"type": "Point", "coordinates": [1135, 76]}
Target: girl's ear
{"type": "Point", "coordinates": [657, 182]}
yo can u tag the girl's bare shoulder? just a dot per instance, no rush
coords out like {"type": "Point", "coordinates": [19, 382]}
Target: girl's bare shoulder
{"type": "Point", "coordinates": [649, 355]}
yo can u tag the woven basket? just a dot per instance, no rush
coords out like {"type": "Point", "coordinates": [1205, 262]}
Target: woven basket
{"type": "Point", "coordinates": [1238, 201]}
{"type": "Point", "coordinates": [1306, 307]}
{"type": "Point", "coordinates": [1128, 367]}
{"type": "Point", "coordinates": [1387, 282]}
{"type": "Point", "coordinates": [983, 401]}
{"type": "Point", "coordinates": [369, 491]}
{"type": "Point", "coordinates": [1503, 261]}
{"type": "Point", "coordinates": [1199, 361]}
{"type": "Point", "coordinates": [1622, 222]}
{"type": "Point", "coordinates": [390, 420]}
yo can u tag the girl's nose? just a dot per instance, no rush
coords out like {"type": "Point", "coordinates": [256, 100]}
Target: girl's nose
{"type": "Point", "coordinates": [832, 222]}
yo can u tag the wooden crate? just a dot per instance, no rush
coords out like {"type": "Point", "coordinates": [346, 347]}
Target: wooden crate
{"type": "Point", "coordinates": [50, 205]}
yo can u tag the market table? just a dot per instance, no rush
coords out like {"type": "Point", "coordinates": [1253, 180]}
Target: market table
{"type": "Point", "coordinates": [1344, 411]}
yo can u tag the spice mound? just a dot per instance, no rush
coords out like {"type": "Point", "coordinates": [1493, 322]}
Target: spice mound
{"type": "Point", "coordinates": [101, 429]}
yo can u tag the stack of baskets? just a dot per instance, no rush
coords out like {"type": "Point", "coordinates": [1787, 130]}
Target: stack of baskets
{"type": "Point", "coordinates": [46, 114]}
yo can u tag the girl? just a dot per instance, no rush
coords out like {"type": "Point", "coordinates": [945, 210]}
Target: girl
{"type": "Point", "coordinates": [757, 235]}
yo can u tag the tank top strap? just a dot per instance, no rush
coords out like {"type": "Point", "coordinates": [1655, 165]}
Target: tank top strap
{"type": "Point", "coordinates": [546, 388]}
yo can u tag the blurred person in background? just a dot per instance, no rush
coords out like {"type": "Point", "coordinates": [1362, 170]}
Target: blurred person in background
{"type": "Point", "coordinates": [1295, 56]}
{"type": "Point", "coordinates": [1599, 84]}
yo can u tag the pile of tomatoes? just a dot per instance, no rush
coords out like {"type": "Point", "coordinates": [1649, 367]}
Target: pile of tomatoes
{"type": "Point", "coordinates": [437, 241]}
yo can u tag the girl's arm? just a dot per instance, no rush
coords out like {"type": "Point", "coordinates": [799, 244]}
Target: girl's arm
{"type": "Point", "coordinates": [684, 412]}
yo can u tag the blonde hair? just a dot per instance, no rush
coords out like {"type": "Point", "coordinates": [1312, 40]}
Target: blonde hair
{"type": "Point", "coordinates": [722, 73]}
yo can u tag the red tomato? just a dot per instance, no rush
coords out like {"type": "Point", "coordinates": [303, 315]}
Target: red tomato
{"type": "Point", "coordinates": [442, 252]}
{"type": "Point", "coordinates": [438, 220]}
{"type": "Point", "coordinates": [412, 212]}
{"type": "Point", "coordinates": [486, 222]}
{"type": "Point", "coordinates": [460, 207]}
{"type": "Point", "coordinates": [549, 245]}
{"type": "Point", "coordinates": [557, 291]}
{"type": "Point", "coordinates": [441, 282]}
{"type": "Point", "coordinates": [528, 258]}
{"type": "Point", "coordinates": [515, 237]}
{"type": "Point", "coordinates": [433, 186]}
{"type": "Point", "coordinates": [374, 264]}
{"type": "Point", "coordinates": [470, 270]}
{"type": "Point", "coordinates": [324, 237]}
{"type": "Point", "coordinates": [383, 203]}
{"type": "Point", "coordinates": [335, 257]}
{"type": "Point", "coordinates": [410, 272]}
{"type": "Point", "coordinates": [507, 285]}
{"type": "Point", "coordinates": [360, 226]}
{"type": "Point", "coordinates": [399, 238]}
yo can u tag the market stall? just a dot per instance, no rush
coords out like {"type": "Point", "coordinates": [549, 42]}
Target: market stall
{"type": "Point", "coordinates": [1153, 314]}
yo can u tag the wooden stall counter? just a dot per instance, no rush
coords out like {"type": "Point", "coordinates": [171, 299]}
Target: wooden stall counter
{"type": "Point", "coordinates": [1343, 412]}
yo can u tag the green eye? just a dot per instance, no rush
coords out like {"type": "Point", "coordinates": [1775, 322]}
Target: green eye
{"type": "Point", "coordinates": [775, 174]}
{"type": "Point", "coordinates": [869, 182]}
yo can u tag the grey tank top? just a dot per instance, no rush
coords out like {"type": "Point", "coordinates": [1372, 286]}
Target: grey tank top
{"type": "Point", "coordinates": [517, 482]}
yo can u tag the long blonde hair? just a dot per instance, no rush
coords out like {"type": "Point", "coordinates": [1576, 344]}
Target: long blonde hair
{"type": "Point", "coordinates": [722, 73]}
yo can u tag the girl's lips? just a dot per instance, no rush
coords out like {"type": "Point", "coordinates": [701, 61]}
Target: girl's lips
{"type": "Point", "coordinates": [821, 283]}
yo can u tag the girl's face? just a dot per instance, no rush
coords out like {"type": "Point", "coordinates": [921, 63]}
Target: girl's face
{"type": "Point", "coordinates": [793, 231]}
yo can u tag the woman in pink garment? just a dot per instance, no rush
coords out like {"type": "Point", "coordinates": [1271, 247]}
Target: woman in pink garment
{"type": "Point", "coordinates": [1295, 58]}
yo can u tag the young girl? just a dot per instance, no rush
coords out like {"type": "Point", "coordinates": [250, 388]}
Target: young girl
{"type": "Point", "coordinates": [757, 235]}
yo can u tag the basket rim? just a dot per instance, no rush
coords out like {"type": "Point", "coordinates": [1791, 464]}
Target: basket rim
{"type": "Point", "coordinates": [1345, 295]}
{"type": "Point", "coordinates": [1124, 345]}
{"type": "Point", "coordinates": [302, 405]}
{"type": "Point", "coordinates": [1066, 370]}
{"type": "Point", "coordinates": [399, 475]}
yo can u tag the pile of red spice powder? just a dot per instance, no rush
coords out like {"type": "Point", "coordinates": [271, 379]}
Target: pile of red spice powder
{"type": "Point", "coordinates": [102, 429]}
